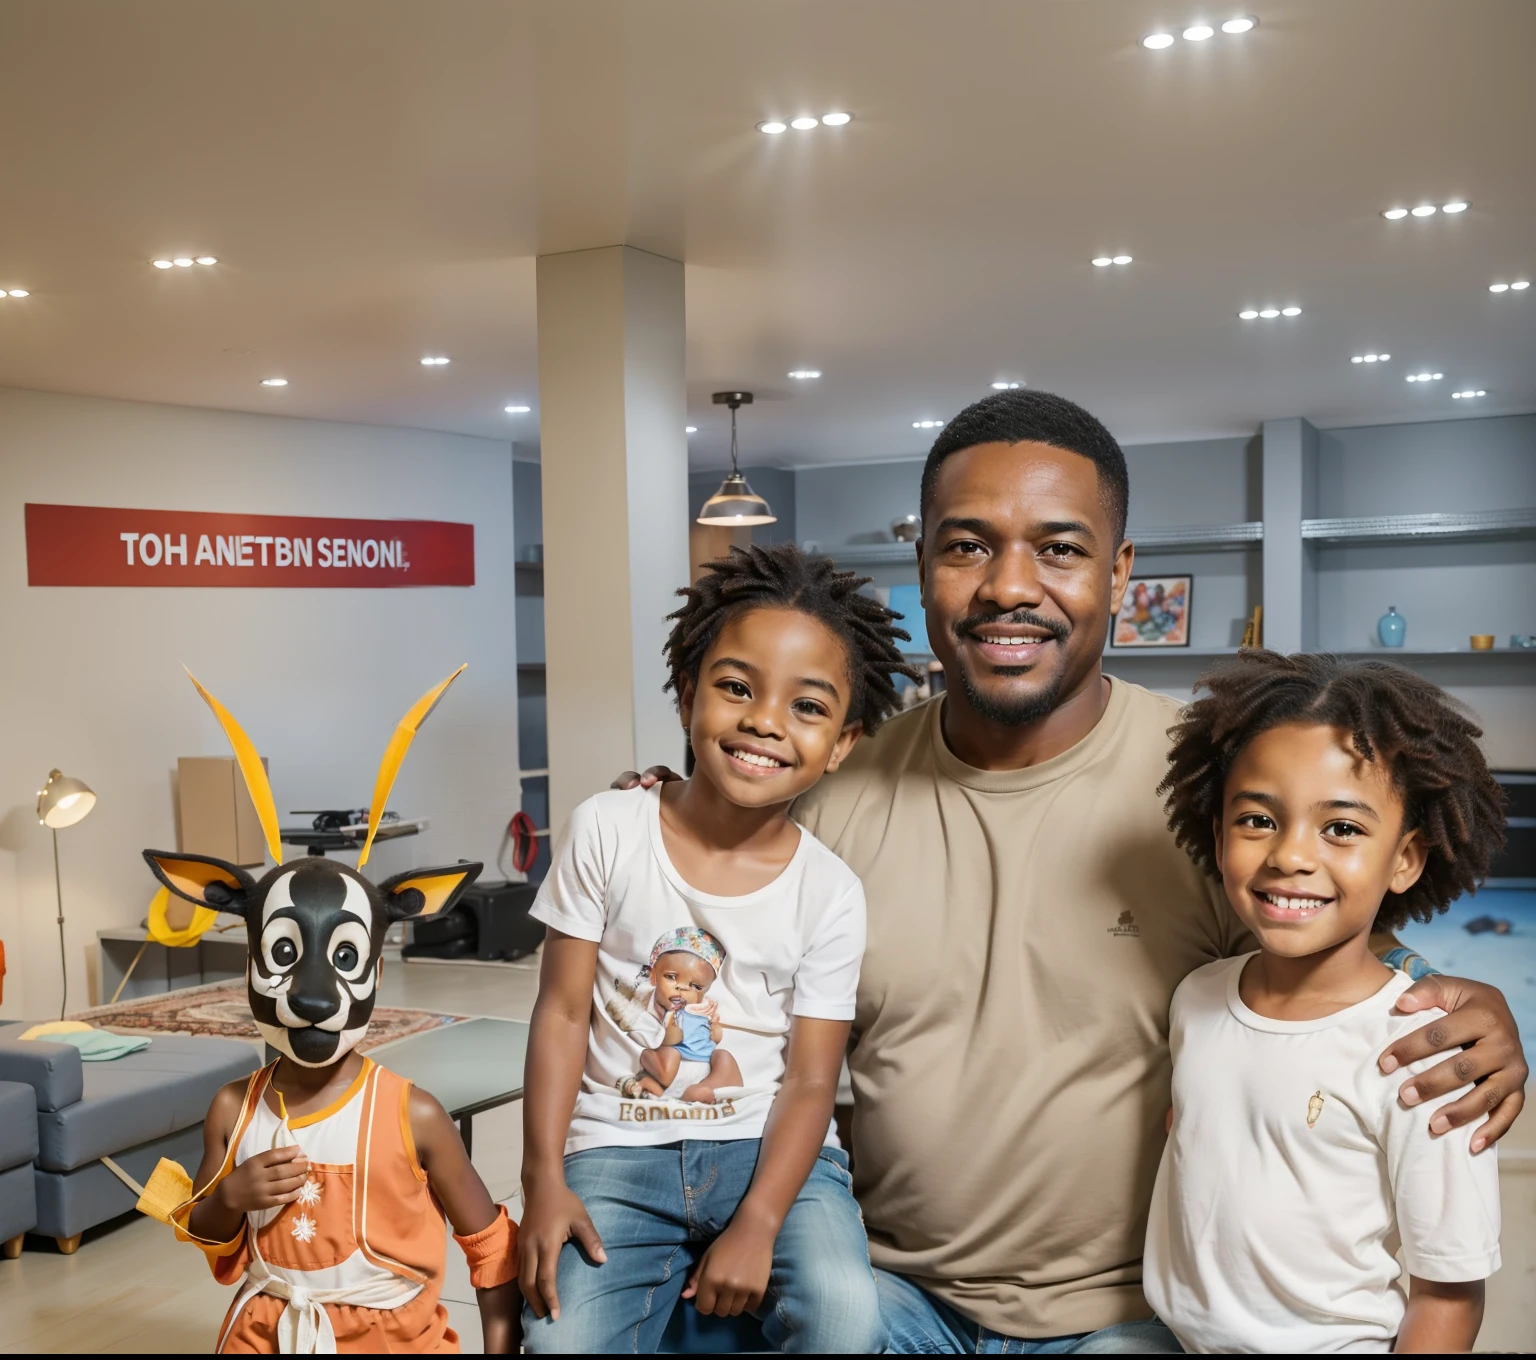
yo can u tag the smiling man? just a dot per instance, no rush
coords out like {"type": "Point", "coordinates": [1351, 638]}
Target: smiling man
{"type": "Point", "coordinates": [1030, 916]}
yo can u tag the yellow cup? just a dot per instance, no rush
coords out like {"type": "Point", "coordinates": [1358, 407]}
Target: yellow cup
{"type": "Point", "coordinates": [1482, 642]}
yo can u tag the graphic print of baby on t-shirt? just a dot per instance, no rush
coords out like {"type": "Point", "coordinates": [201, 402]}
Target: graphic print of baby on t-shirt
{"type": "Point", "coordinates": [676, 1023]}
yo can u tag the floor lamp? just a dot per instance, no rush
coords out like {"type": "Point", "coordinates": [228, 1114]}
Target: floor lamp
{"type": "Point", "coordinates": [62, 801]}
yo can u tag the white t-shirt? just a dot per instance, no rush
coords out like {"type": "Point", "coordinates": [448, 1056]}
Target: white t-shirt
{"type": "Point", "coordinates": [789, 949]}
{"type": "Point", "coordinates": [1293, 1173]}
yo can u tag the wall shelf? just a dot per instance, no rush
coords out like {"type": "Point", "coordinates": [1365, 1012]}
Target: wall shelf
{"type": "Point", "coordinates": [1457, 527]}
{"type": "Point", "coordinates": [1114, 654]}
{"type": "Point", "coordinates": [1527, 654]}
{"type": "Point", "coordinates": [1179, 538]}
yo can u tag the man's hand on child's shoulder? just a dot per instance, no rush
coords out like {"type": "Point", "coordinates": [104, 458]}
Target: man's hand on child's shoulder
{"type": "Point", "coordinates": [656, 774]}
{"type": "Point", "coordinates": [1479, 1024]}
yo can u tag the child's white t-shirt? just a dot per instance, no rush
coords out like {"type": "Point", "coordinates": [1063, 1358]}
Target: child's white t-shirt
{"type": "Point", "coordinates": [1293, 1172]}
{"type": "Point", "coordinates": [790, 949]}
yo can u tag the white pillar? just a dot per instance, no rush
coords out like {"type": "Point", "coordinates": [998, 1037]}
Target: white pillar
{"type": "Point", "coordinates": [1290, 564]}
{"type": "Point", "coordinates": [612, 405]}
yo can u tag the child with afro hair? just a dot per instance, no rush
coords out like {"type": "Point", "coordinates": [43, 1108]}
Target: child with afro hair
{"type": "Point", "coordinates": [1329, 800]}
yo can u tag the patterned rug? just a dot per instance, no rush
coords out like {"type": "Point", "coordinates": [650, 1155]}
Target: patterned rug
{"type": "Point", "coordinates": [220, 1009]}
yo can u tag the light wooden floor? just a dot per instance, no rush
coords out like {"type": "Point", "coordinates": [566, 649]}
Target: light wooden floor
{"type": "Point", "coordinates": [131, 1288]}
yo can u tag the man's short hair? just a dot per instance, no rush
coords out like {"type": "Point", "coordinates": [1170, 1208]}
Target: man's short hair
{"type": "Point", "coordinates": [1041, 418]}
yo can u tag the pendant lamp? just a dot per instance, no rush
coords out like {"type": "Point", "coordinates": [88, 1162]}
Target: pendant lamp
{"type": "Point", "coordinates": [735, 503]}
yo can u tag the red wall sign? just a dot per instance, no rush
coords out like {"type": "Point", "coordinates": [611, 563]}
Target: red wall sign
{"type": "Point", "coordinates": [89, 545]}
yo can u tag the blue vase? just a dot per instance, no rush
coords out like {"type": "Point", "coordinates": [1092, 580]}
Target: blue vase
{"type": "Point", "coordinates": [1391, 627]}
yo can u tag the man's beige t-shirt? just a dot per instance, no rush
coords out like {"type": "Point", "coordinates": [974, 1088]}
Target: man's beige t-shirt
{"type": "Point", "coordinates": [1010, 1066]}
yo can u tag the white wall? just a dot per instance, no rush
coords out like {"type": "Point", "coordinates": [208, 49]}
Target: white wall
{"type": "Point", "coordinates": [91, 680]}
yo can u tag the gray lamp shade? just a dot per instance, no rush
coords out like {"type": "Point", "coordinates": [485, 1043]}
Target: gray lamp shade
{"type": "Point", "coordinates": [63, 801]}
{"type": "Point", "coordinates": [735, 503]}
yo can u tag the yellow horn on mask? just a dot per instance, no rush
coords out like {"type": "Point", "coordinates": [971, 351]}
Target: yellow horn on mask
{"type": "Point", "coordinates": [394, 756]}
{"type": "Point", "coordinates": [251, 767]}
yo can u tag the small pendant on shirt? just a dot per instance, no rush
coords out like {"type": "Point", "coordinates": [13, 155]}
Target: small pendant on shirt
{"type": "Point", "coordinates": [1314, 1108]}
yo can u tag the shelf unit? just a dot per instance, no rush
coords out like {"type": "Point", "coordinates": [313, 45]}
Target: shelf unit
{"type": "Point", "coordinates": [1180, 538]}
{"type": "Point", "coordinates": [1459, 527]}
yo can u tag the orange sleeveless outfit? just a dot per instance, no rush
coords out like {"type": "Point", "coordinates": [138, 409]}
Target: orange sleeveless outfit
{"type": "Point", "coordinates": [355, 1264]}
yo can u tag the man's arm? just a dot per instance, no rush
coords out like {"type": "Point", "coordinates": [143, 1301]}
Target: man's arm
{"type": "Point", "coordinates": [733, 1275]}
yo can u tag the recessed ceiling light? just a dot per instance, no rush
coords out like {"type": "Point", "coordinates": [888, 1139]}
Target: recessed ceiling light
{"type": "Point", "coordinates": [1370, 358]}
{"type": "Point", "coordinates": [1425, 377]}
{"type": "Point", "coordinates": [1269, 313]}
{"type": "Point", "coordinates": [690, 429]}
{"type": "Point", "coordinates": [207, 259]}
{"type": "Point", "coordinates": [1243, 25]}
{"type": "Point", "coordinates": [1454, 207]}
{"type": "Point", "coordinates": [182, 262]}
{"type": "Point", "coordinates": [773, 127]}
{"type": "Point", "coordinates": [1470, 392]}
{"type": "Point", "coordinates": [1249, 314]}
{"type": "Point", "coordinates": [1199, 33]}
{"type": "Point", "coordinates": [1122, 259]}
{"type": "Point", "coordinates": [836, 119]}
{"type": "Point", "coordinates": [1157, 40]}
{"type": "Point", "coordinates": [1520, 285]}
{"type": "Point", "coordinates": [803, 373]}
{"type": "Point", "coordinates": [1395, 214]}
{"type": "Point", "coordinates": [434, 360]}
{"type": "Point", "coordinates": [1102, 261]}
{"type": "Point", "coordinates": [274, 382]}
{"type": "Point", "coordinates": [926, 424]}
{"type": "Point", "coordinates": [517, 410]}
{"type": "Point", "coordinates": [19, 292]}
{"type": "Point", "coordinates": [1290, 311]}
{"type": "Point", "coordinates": [803, 124]}
{"type": "Point", "coordinates": [161, 264]}
{"type": "Point", "coordinates": [1004, 386]}
{"type": "Point", "coordinates": [1498, 288]}
{"type": "Point", "coordinates": [1425, 210]}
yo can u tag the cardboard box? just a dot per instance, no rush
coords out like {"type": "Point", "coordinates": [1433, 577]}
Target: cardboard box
{"type": "Point", "coordinates": [217, 815]}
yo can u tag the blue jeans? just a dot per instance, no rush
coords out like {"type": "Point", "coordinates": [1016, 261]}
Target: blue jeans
{"type": "Point", "coordinates": [657, 1209]}
{"type": "Point", "coordinates": [921, 1325]}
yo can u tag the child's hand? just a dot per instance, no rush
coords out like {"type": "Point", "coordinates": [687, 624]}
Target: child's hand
{"type": "Point", "coordinates": [732, 1277]}
{"type": "Point", "coordinates": [265, 1181]}
{"type": "Point", "coordinates": [551, 1217]}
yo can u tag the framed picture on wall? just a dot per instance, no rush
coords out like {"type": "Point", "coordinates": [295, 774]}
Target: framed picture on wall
{"type": "Point", "coordinates": [1155, 613]}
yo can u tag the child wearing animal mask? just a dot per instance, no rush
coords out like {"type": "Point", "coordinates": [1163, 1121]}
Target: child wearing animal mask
{"type": "Point", "coordinates": [326, 1179]}
{"type": "Point", "coordinates": [724, 1186]}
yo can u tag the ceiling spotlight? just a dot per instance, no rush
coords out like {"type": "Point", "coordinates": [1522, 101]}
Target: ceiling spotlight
{"type": "Point", "coordinates": [1425, 210]}
{"type": "Point", "coordinates": [803, 373]}
{"type": "Point", "coordinates": [19, 292]}
{"type": "Point", "coordinates": [803, 124]}
{"type": "Point", "coordinates": [1519, 285]}
{"type": "Point", "coordinates": [1248, 314]}
{"type": "Point", "coordinates": [1199, 33]}
{"type": "Point", "coordinates": [1102, 261]}
{"type": "Point", "coordinates": [1498, 288]}
{"type": "Point", "coordinates": [927, 424]}
{"type": "Point", "coordinates": [1122, 259]}
{"type": "Point", "coordinates": [434, 360]}
{"type": "Point", "coordinates": [1243, 25]}
{"type": "Point", "coordinates": [772, 127]}
{"type": "Point", "coordinates": [207, 259]}
{"type": "Point", "coordinates": [182, 262]}
{"type": "Point", "coordinates": [517, 410]}
{"type": "Point", "coordinates": [1290, 311]}
{"type": "Point", "coordinates": [1358, 359]}
{"type": "Point", "coordinates": [1394, 214]}
{"type": "Point", "coordinates": [1004, 386]}
{"type": "Point", "coordinates": [161, 264]}
{"type": "Point", "coordinates": [1157, 40]}
{"type": "Point", "coordinates": [1454, 207]}
{"type": "Point", "coordinates": [1469, 393]}
{"type": "Point", "coordinates": [690, 429]}
{"type": "Point", "coordinates": [1425, 377]}
{"type": "Point", "coordinates": [274, 382]}
{"type": "Point", "coordinates": [1269, 313]}
{"type": "Point", "coordinates": [836, 119]}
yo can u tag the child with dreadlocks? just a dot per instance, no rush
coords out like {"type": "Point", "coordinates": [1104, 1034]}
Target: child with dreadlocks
{"type": "Point", "coordinates": [697, 990]}
{"type": "Point", "coordinates": [1329, 800]}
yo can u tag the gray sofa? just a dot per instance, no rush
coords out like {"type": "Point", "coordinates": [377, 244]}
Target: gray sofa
{"type": "Point", "coordinates": [135, 1110]}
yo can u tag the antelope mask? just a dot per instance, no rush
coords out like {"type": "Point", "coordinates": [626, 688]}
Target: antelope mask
{"type": "Point", "coordinates": [315, 928]}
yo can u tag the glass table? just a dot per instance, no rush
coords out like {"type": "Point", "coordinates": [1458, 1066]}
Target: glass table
{"type": "Point", "coordinates": [470, 1067]}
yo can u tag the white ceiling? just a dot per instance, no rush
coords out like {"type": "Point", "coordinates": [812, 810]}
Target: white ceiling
{"type": "Point", "coordinates": [376, 177]}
